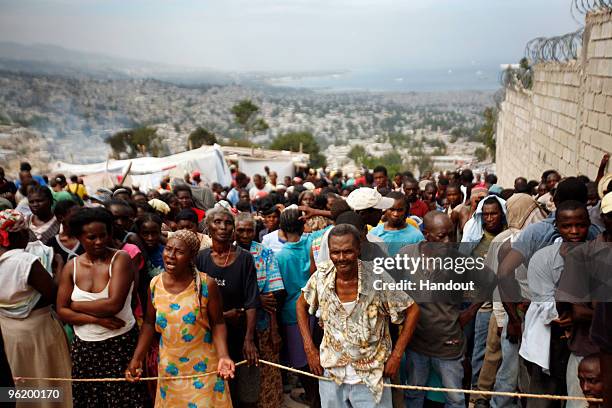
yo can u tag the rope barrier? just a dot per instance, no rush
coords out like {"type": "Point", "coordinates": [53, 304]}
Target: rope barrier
{"type": "Point", "coordinates": [293, 370]}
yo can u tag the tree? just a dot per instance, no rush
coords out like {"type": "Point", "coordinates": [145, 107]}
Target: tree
{"type": "Point", "coordinates": [486, 133]}
{"type": "Point", "coordinates": [245, 115]}
{"type": "Point", "coordinates": [399, 140]}
{"type": "Point", "coordinates": [200, 137]}
{"type": "Point", "coordinates": [420, 159]}
{"type": "Point", "coordinates": [392, 161]}
{"type": "Point", "coordinates": [358, 154]}
{"type": "Point", "coordinates": [292, 141]}
{"type": "Point", "coordinates": [423, 163]}
{"type": "Point", "coordinates": [481, 154]}
{"type": "Point", "coordinates": [136, 142]}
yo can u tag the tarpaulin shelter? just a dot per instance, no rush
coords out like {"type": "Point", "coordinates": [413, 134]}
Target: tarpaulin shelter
{"type": "Point", "coordinates": [147, 172]}
{"type": "Point", "coordinates": [251, 160]}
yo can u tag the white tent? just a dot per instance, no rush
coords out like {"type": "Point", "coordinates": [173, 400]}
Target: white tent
{"type": "Point", "coordinates": [253, 160]}
{"type": "Point", "coordinates": [148, 171]}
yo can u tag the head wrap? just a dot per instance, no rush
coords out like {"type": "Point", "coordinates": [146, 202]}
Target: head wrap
{"type": "Point", "coordinates": [192, 241]}
{"type": "Point", "coordinates": [474, 227]}
{"type": "Point", "coordinates": [189, 238]}
{"type": "Point", "coordinates": [10, 221]}
{"type": "Point", "coordinates": [523, 210]}
{"type": "Point", "coordinates": [226, 205]}
{"type": "Point", "coordinates": [159, 206]}
{"type": "Point", "coordinates": [478, 190]}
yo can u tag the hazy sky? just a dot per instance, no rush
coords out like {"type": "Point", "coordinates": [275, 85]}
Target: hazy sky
{"type": "Point", "coordinates": [291, 34]}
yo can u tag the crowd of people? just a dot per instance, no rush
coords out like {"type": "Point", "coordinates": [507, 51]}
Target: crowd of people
{"type": "Point", "coordinates": [190, 278]}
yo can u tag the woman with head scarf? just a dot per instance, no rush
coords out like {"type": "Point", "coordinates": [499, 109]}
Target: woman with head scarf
{"type": "Point", "coordinates": [185, 308]}
{"type": "Point", "coordinates": [33, 339]}
{"type": "Point", "coordinates": [233, 269]}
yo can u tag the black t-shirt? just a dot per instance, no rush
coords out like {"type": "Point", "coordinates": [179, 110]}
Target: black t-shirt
{"type": "Point", "coordinates": [66, 253]}
{"type": "Point", "coordinates": [238, 286]}
{"type": "Point", "coordinates": [237, 282]}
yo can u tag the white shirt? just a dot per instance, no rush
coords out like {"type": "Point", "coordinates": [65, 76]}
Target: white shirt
{"type": "Point", "coordinates": [543, 274]}
{"type": "Point", "coordinates": [272, 241]}
{"type": "Point", "coordinates": [17, 297]}
{"type": "Point", "coordinates": [96, 332]}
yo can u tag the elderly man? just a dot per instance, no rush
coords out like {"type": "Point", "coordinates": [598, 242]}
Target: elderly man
{"type": "Point", "coordinates": [356, 350]}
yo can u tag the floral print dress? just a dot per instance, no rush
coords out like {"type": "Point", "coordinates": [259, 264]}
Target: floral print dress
{"type": "Point", "coordinates": [186, 348]}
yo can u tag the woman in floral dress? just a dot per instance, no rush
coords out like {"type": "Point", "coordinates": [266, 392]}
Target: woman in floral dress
{"type": "Point", "coordinates": [185, 308]}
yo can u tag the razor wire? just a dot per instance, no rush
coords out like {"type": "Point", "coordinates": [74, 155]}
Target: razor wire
{"type": "Point", "coordinates": [582, 7]}
{"type": "Point", "coordinates": [560, 48]}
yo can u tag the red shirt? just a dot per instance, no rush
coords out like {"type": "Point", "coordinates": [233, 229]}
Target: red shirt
{"type": "Point", "coordinates": [201, 213]}
{"type": "Point", "coordinates": [360, 181]}
{"type": "Point", "coordinates": [419, 208]}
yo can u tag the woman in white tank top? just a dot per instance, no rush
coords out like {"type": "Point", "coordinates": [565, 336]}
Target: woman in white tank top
{"type": "Point", "coordinates": [94, 295]}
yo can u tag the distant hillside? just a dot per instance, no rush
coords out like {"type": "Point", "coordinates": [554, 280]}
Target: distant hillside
{"type": "Point", "coordinates": [54, 60]}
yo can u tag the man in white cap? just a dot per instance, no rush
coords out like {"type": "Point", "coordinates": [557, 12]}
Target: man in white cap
{"type": "Point", "coordinates": [395, 231]}
{"type": "Point", "coordinates": [604, 186]}
{"type": "Point", "coordinates": [369, 204]}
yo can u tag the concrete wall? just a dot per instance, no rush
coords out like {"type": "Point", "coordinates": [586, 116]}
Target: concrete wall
{"type": "Point", "coordinates": [565, 121]}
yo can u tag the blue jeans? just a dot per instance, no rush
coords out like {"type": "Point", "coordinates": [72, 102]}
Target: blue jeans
{"type": "Point", "coordinates": [507, 375]}
{"type": "Point", "coordinates": [451, 374]}
{"type": "Point", "coordinates": [351, 395]}
{"type": "Point", "coordinates": [481, 331]}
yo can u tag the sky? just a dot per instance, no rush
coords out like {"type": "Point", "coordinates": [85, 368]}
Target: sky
{"type": "Point", "coordinates": [291, 35]}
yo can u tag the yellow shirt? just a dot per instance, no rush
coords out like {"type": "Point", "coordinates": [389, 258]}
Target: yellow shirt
{"type": "Point", "coordinates": [77, 189]}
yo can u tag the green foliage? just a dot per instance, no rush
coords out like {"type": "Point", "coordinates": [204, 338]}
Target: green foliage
{"type": "Point", "coordinates": [481, 154]}
{"type": "Point", "coordinates": [487, 130]}
{"type": "Point", "coordinates": [420, 160]}
{"type": "Point", "coordinates": [423, 163]}
{"type": "Point", "coordinates": [392, 161]}
{"type": "Point", "coordinates": [399, 140]}
{"type": "Point", "coordinates": [291, 141]}
{"type": "Point", "coordinates": [200, 137]}
{"type": "Point", "coordinates": [137, 142]}
{"type": "Point", "coordinates": [358, 154]}
{"type": "Point", "coordinates": [245, 115]}
{"type": "Point", "coordinates": [4, 120]}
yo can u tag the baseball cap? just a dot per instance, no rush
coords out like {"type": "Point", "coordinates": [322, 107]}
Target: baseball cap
{"type": "Point", "coordinates": [423, 184]}
{"type": "Point", "coordinates": [195, 174]}
{"type": "Point", "coordinates": [101, 195]}
{"type": "Point", "coordinates": [603, 184]}
{"type": "Point", "coordinates": [606, 203]}
{"type": "Point", "coordinates": [366, 197]}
